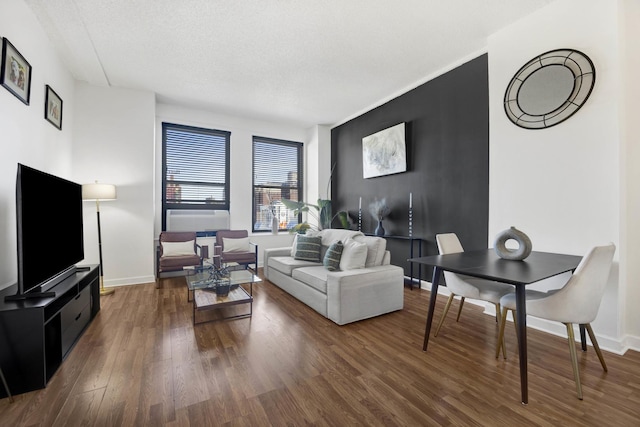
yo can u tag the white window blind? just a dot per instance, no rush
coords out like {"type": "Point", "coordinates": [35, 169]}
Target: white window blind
{"type": "Point", "coordinates": [195, 168]}
{"type": "Point", "coordinates": [277, 175]}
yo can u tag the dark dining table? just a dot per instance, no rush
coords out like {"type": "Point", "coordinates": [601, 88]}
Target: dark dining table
{"type": "Point", "coordinates": [486, 264]}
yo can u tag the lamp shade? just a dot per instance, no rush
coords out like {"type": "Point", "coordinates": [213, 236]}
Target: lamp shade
{"type": "Point", "coordinates": [98, 191]}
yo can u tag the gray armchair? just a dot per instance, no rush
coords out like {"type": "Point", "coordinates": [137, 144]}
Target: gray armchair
{"type": "Point", "coordinates": [234, 246]}
{"type": "Point", "coordinates": [178, 249]}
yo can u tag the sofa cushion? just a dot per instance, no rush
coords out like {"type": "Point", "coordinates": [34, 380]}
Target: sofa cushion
{"type": "Point", "coordinates": [331, 235]}
{"type": "Point", "coordinates": [177, 262]}
{"type": "Point", "coordinates": [376, 246]}
{"type": "Point", "coordinates": [316, 277]}
{"type": "Point", "coordinates": [331, 259]}
{"type": "Point", "coordinates": [286, 264]}
{"type": "Point", "coordinates": [354, 255]}
{"type": "Point", "coordinates": [308, 248]}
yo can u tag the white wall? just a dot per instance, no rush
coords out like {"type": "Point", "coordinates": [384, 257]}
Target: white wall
{"type": "Point", "coordinates": [317, 166]}
{"type": "Point", "coordinates": [114, 143]}
{"type": "Point", "coordinates": [242, 132]}
{"type": "Point", "coordinates": [25, 136]}
{"type": "Point", "coordinates": [562, 185]}
{"type": "Point", "coordinates": [629, 14]}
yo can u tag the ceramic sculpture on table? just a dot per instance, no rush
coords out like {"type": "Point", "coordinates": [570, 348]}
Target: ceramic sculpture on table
{"type": "Point", "coordinates": [524, 244]}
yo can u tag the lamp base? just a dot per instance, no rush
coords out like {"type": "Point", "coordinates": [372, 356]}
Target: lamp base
{"type": "Point", "coordinates": [106, 291]}
{"type": "Point", "coordinates": [103, 290]}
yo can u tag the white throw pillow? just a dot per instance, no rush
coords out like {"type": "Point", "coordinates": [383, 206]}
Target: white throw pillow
{"type": "Point", "coordinates": [178, 248]}
{"type": "Point", "coordinates": [235, 245]}
{"type": "Point", "coordinates": [294, 245]}
{"type": "Point", "coordinates": [354, 255]}
{"type": "Point", "coordinates": [376, 247]}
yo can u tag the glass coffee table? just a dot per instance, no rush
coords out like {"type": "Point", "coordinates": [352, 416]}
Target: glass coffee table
{"type": "Point", "coordinates": [203, 288]}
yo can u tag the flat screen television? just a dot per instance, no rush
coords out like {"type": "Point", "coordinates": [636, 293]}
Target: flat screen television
{"type": "Point", "coordinates": [50, 231]}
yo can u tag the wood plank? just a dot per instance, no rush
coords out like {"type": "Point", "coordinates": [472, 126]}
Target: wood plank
{"type": "Point", "coordinates": [142, 362]}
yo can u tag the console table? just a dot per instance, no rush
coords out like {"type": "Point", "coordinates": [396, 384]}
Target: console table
{"type": "Point", "coordinates": [412, 241]}
{"type": "Point", "coordinates": [38, 334]}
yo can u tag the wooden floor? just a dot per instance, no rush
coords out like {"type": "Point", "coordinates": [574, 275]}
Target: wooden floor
{"type": "Point", "coordinates": [142, 362]}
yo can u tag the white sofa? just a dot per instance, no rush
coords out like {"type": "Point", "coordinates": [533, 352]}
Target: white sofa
{"type": "Point", "coordinates": [342, 296]}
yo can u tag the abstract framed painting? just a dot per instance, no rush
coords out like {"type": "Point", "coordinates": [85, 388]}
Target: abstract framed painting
{"type": "Point", "coordinates": [15, 74]}
{"type": "Point", "coordinates": [53, 107]}
{"type": "Point", "coordinates": [384, 152]}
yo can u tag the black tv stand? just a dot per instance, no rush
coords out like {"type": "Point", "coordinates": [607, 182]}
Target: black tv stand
{"type": "Point", "coordinates": [39, 329]}
{"type": "Point", "coordinates": [30, 295]}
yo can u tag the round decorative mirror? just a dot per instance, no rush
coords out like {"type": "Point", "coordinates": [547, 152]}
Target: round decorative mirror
{"type": "Point", "coordinates": [549, 89]}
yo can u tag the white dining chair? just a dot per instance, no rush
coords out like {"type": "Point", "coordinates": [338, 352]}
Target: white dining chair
{"type": "Point", "coordinates": [577, 302]}
{"type": "Point", "coordinates": [466, 286]}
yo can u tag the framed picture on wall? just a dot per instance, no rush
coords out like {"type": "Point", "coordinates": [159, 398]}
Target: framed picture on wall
{"type": "Point", "coordinates": [53, 107]}
{"type": "Point", "coordinates": [15, 75]}
{"type": "Point", "coordinates": [384, 152]}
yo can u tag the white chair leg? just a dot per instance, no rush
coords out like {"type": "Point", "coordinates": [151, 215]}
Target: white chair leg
{"type": "Point", "coordinates": [446, 310]}
{"type": "Point", "coordinates": [596, 346]}
{"type": "Point", "coordinates": [460, 309]}
{"type": "Point", "coordinates": [574, 359]}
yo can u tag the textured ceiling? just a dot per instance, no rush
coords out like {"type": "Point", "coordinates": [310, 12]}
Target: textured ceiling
{"type": "Point", "coordinates": [301, 62]}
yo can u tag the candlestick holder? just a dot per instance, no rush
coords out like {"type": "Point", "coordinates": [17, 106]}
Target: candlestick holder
{"type": "Point", "coordinates": [360, 219]}
{"type": "Point", "coordinates": [410, 222]}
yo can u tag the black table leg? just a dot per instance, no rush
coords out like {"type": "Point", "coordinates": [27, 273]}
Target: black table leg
{"type": "Point", "coordinates": [420, 265]}
{"type": "Point", "coordinates": [521, 318]}
{"type": "Point", "coordinates": [583, 338]}
{"type": "Point", "coordinates": [432, 305]}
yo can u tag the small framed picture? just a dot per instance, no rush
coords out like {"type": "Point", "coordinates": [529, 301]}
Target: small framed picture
{"type": "Point", "coordinates": [53, 107]}
{"type": "Point", "coordinates": [15, 75]}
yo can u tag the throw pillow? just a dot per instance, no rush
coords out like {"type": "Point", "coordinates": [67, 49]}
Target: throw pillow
{"type": "Point", "coordinates": [235, 245]}
{"type": "Point", "coordinates": [376, 247]}
{"type": "Point", "coordinates": [178, 248]}
{"type": "Point", "coordinates": [308, 248]}
{"type": "Point", "coordinates": [294, 245]}
{"type": "Point", "coordinates": [354, 255]}
{"type": "Point", "coordinates": [332, 257]}
{"type": "Point", "coordinates": [309, 233]}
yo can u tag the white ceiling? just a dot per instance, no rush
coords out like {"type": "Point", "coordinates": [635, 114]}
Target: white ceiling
{"type": "Point", "coordinates": [301, 62]}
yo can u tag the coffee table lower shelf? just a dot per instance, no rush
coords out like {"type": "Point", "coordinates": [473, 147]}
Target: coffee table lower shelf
{"type": "Point", "coordinates": [206, 300]}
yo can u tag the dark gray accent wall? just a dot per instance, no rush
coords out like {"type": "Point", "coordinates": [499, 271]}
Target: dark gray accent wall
{"type": "Point", "coordinates": [447, 140]}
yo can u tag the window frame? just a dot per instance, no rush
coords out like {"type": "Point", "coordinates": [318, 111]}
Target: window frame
{"type": "Point", "coordinates": [300, 181]}
{"type": "Point", "coordinates": [224, 205]}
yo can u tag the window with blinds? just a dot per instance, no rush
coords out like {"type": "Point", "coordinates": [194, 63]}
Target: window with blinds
{"type": "Point", "coordinates": [277, 175]}
{"type": "Point", "coordinates": [195, 168]}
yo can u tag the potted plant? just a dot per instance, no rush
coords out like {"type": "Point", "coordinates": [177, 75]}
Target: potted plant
{"type": "Point", "coordinates": [322, 212]}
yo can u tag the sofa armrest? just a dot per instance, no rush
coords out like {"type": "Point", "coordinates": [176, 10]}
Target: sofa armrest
{"type": "Point", "coordinates": [272, 252]}
{"type": "Point", "coordinates": [365, 292]}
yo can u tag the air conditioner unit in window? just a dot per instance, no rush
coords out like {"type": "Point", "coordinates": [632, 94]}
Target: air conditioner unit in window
{"type": "Point", "coordinates": [197, 220]}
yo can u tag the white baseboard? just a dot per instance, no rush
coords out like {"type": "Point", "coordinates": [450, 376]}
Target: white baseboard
{"type": "Point", "coordinates": [607, 343]}
{"type": "Point", "coordinates": [129, 281]}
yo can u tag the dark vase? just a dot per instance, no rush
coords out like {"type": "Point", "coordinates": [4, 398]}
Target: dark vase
{"type": "Point", "coordinates": [222, 290]}
{"type": "Point", "coordinates": [379, 230]}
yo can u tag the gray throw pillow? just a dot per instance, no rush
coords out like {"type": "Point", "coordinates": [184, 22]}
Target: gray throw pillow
{"type": "Point", "coordinates": [332, 257]}
{"type": "Point", "coordinates": [308, 248]}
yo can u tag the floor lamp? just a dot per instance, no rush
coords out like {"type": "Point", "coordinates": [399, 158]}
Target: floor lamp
{"type": "Point", "coordinates": [99, 192]}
